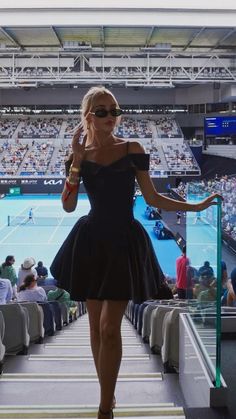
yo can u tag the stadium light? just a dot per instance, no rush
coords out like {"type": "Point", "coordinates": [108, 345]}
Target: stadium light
{"type": "Point", "coordinates": [149, 85]}
{"type": "Point", "coordinates": [160, 47]}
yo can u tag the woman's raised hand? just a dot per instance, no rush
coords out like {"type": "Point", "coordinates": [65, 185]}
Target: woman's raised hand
{"type": "Point", "coordinates": [78, 143]}
{"type": "Point", "coordinates": [210, 200]}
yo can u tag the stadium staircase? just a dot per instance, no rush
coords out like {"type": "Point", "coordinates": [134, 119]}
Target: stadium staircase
{"type": "Point", "coordinates": [163, 165]}
{"type": "Point", "coordinates": [57, 380]}
{"type": "Point", "coordinates": [53, 160]}
{"type": "Point", "coordinates": [21, 167]}
{"type": "Point", "coordinates": [62, 129]}
{"type": "Point", "coordinates": [18, 129]}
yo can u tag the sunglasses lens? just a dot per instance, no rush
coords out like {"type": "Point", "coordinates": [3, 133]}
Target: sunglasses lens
{"type": "Point", "coordinates": [101, 113]}
{"type": "Point", "coordinates": [116, 112]}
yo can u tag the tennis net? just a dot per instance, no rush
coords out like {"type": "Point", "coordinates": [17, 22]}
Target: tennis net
{"type": "Point", "coordinates": [41, 221]}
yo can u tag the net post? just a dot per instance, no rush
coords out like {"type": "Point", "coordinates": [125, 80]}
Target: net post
{"type": "Point", "coordinates": [8, 220]}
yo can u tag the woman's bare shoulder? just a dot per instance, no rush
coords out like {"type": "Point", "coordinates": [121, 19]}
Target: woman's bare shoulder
{"type": "Point", "coordinates": [136, 147]}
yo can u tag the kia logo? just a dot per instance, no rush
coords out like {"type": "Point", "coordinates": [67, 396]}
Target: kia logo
{"type": "Point", "coordinates": [53, 182]}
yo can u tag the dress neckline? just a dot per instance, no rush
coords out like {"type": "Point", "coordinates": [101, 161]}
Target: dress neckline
{"type": "Point", "coordinates": [105, 165]}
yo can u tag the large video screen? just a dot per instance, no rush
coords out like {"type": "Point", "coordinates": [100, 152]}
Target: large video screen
{"type": "Point", "coordinates": [220, 126]}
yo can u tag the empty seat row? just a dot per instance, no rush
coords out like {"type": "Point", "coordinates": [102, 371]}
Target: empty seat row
{"type": "Point", "coordinates": [158, 323]}
{"type": "Point", "coordinates": [28, 322]}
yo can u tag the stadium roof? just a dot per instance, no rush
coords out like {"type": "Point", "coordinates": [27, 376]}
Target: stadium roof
{"type": "Point", "coordinates": [124, 25]}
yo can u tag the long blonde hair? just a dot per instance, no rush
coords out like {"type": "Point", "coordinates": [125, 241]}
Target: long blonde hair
{"type": "Point", "coordinates": [88, 100]}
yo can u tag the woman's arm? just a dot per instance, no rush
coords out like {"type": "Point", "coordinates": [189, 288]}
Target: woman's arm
{"type": "Point", "coordinates": [155, 199]}
{"type": "Point", "coordinates": [69, 196]}
{"type": "Point", "coordinates": [70, 191]}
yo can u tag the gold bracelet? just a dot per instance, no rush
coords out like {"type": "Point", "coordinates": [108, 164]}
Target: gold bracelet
{"type": "Point", "coordinates": [71, 182]}
{"type": "Point", "coordinates": [73, 178]}
{"type": "Point", "coordinates": [74, 169]}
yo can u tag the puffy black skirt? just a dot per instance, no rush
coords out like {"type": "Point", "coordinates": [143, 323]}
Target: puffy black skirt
{"type": "Point", "coordinates": [101, 262]}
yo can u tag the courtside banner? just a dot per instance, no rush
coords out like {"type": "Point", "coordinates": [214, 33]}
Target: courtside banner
{"type": "Point", "coordinates": [30, 185]}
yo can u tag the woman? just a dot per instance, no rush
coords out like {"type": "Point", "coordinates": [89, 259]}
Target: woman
{"type": "Point", "coordinates": [27, 268]}
{"type": "Point", "coordinates": [108, 258]}
{"type": "Point", "coordinates": [29, 291]}
{"type": "Point", "coordinates": [231, 295]}
{"type": "Point", "coordinates": [7, 271]}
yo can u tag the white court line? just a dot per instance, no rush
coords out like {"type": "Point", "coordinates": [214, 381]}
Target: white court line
{"type": "Point", "coordinates": [54, 232]}
{"type": "Point", "coordinates": [14, 229]}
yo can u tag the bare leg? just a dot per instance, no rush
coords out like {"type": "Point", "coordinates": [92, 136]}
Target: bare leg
{"type": "Point", "coordinates": [106, 345]}
{"type": "Point", "coordinates": [94, 311]}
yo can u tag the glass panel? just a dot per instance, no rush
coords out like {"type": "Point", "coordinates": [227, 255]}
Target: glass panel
{"type": "Point", "coordinates": [203, 234]}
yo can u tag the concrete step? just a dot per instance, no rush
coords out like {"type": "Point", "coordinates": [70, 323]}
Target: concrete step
{"type": "Point", "coordinates": [83, 392]}
{"type": "Point", "coordinates": [82, 358]}
{"type": "Point", "coordinates": [34, 365]}
{"type": "Point", "coordinates": [85, 350]}
{"type": "Point", "coordinates": [77, 377]}
{"type": "Point", "coordinates": [160, 411]}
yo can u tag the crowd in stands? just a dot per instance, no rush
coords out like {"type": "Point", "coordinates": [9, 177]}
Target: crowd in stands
{"type": "Point", "coordinates": [40, 128]}
{"type": "Point", "coordinates": [167, 127]}
{"type": "Point", "coordinates": [226, 186]}
{"type": "Point", "coordinates": [155, 161]}
{"type": "Point", "coordinates": [58, 167]}
{"type": "Point", "coordinates": [130, 128]}
{"type": "Point", "coordinates": [179, 157]}
{"type": "Point", "coordinates": [8, 127]}
{"type": "Point", "coordinates": [71, 124]}
{"type": "Point", "coordinates": [37, 160]}
{"type": "Point", "coordinates": [11, 157]}
{"type": "Point", "coordinates": [41, 159]}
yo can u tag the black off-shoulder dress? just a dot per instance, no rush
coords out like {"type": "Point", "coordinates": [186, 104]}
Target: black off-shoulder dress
{"type": "Point", "coordinates": [108, 255]}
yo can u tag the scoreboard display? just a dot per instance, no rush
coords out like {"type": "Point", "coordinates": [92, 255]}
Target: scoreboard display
{"type": "Point", "coordinates": [220, 126]}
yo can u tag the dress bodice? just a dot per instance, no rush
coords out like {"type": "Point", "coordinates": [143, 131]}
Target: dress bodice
{"type": "Point", "coordinates": [110, 189]}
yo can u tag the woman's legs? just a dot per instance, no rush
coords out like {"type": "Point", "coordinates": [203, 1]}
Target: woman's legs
{"type": "Point", "coordinates": [105, 321]}
{"type": "Point", "coordinates": [94, 308]}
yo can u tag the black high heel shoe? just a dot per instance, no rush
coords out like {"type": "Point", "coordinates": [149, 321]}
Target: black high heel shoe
{"type": "Point", "coordinates": [107, 415]}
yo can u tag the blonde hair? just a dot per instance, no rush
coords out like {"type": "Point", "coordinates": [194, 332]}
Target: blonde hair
{"type": "Point", "coordinates": [88, 100]}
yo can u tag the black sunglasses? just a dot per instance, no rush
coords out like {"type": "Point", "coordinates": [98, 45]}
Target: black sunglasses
{"type": "Point", "coordinates": [102, 113]}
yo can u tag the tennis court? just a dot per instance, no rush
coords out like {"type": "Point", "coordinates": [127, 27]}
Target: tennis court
{"type": "Point", "coordinates": [42, 240]}
{"type": "Point", "coordinates": [37, 240]}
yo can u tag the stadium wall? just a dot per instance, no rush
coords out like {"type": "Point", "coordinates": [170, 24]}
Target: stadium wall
{"type": "Point", "coordinates": [54, 185]}
{"type": "Point", "coordinates": [129, 96]}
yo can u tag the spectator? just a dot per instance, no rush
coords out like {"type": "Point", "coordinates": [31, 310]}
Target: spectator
{"type": "Point", "coordinates": [26, 269]}
{"type": "Point", "coordinates": [231, 296]}
{"type": "Point", "coordinates": [58, 294]}
{"type": "Point", "coordinates": [7, 271]}
{"type": "Point", "coordinates": [29, 291]}
{"type": "Point", "coordinates": [41, 270]}
{"type": "Point", "coordinates": [209, 294]}
{"type": "Point", "coordinates": [6, 291]}
{"type": "Point", "coordinates": [184, 276]}
{"type": "Point", "coordinates": [206, 270]}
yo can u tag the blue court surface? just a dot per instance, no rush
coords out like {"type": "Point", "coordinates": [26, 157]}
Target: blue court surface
{"type": "Point", "coordinates": [43, 241]}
